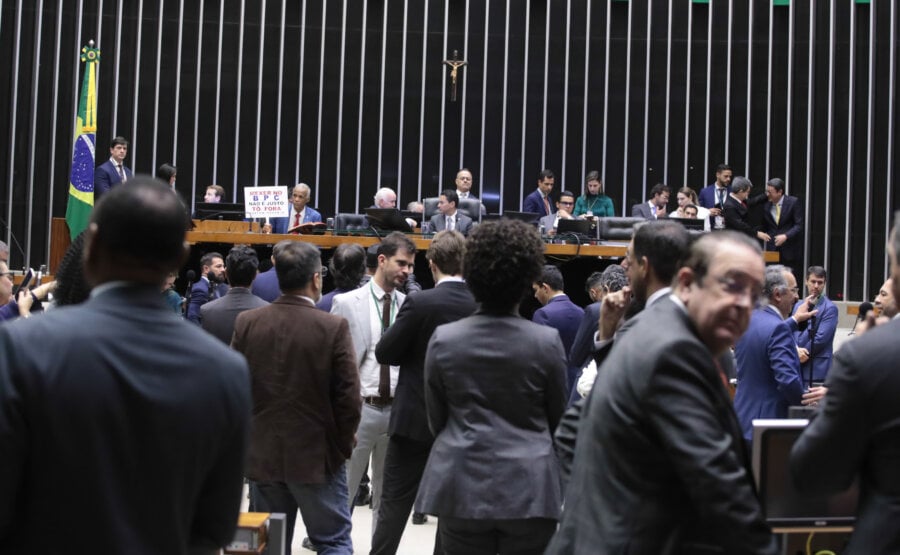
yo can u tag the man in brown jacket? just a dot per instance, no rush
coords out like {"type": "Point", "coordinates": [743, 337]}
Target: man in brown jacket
{"type": "Point", "coordinates": [306, 402]}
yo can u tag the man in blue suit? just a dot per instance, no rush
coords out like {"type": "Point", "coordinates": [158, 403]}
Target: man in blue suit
{"type": "Point", "coordinates": [816, 339]}
{"type": "Point", "coordinates": [538, 202]}
{"type": "Point", "coordinates": [783, 223]}
{"type": "Point", "coordinates": [713, 196]}
{"type": "Point", "coordinates": [558, 311]}
{"type": "Point", "coordinates": [210, 286]}
{"type": "Point", "coordinates": [768, 368]}
{"type": "Point", "coordinates": [113, 171]}
{"type": "Point", "coordinates": [299, 212]}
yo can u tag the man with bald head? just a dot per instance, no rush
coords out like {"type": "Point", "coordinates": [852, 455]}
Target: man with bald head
{"type": "Point", "coordinates": [464, 187]}
{"type": "Point", "coordinates": [122, 408]}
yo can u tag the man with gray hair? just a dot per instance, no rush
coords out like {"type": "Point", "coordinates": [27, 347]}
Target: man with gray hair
{"type": "Point", "coordinates": [768, 368]}
{"type": "Point", "coordinates": [298, 212]}
{"type": "Point", "coordinates": [385, 198]}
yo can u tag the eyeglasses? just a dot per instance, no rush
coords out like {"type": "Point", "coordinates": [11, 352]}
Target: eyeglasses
{"type": "Point", "coordinates": [6, 274]}
{"type": "Point", "coordinates": [740, 288]}
{"type": "Point", "coordinates": [566, 203]}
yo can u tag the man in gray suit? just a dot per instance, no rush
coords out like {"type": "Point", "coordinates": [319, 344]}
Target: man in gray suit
{"type": "Point", "coordinates": [370, 310]}
{"type": "Point", "coordinates": [448, 217]}
{"type": "Point", "coordinates": [564, 207]}
{"type": "Point", "coordinates": [655, 208]}
{"type": "Point", "coordinates": [217, 317]}
{"type": "Point", "coordinates": [856, 433]}
{"type": "Point", "coordinates": [660, 464]}
{"type": "Point", "coordinates": [111, 412]}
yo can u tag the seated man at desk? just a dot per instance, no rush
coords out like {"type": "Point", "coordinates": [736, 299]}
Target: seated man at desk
{"type": "Point", "coordinates": [448, 216]}
{"type": "Point", "coordinates": [299, 213]}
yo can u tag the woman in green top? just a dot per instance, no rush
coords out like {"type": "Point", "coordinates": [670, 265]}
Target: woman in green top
{"type": "Point", "coordinates": [594, 202]}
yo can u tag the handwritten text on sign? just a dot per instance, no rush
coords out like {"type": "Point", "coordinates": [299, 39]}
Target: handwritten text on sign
{"type": "Point", "coordinates": [262, 202]}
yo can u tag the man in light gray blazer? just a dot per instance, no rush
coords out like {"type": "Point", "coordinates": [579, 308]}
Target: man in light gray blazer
{"type": "Point", "coordinates": [370, 310]}
{"type": "Point", "coordinates": [217, 317]}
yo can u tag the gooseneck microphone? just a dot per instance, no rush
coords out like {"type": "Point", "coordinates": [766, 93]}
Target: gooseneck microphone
{"type": "Point", "coordinates": [864, 309]}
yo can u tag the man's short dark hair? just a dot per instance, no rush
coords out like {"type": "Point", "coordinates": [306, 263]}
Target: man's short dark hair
{"type": "Point", "coordinates": [740, 184]}
{"type": "Point", "coordinates": [776, 183]}
{"type": "Point", "coordinates": [207, 259]}
{"type": "Point", "coordinates": [503, 259]}
{"type": "Point", "coordinates": [241, 265]}
{"type": "Point", "coordinates": [593, 281]}
{"type": "Point", "coordinates": [722, 167]}
{"type": "Point", "coordinates": [817, 271]}
{"type": "Point", "coordinates": [552, 278]}
{"type": "Point", "coordinates": [394, 242]}
{"type": "Point", "coordinates": [546, 174]}
{"type": "Point", "coordinates": [702, 251]}
{"type": "Point", "coordinates": [118, 140]}
{"type": "Point", "coordinates": [166, 172]}
{"type": "Point", "coordinates": [665, 244]}
{"type": "Point", "coordinates": [452, 196]}
{"type": "Point", "coordinates": [348, 265]}
{"type": "Point", "coordinates": [143, 223]}
{"type": "Point", "coordinates": [447, 251]}
{"type": "Point", "coordinates": [567, 194]}
{"type": "Point", "coordinates": [372, 256]}
{"type": "Point", "coordinates": [659, 189]}
{"type": "Point", "coordinates": [296, 263]}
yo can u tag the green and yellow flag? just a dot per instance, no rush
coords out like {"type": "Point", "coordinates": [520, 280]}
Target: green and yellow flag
{"type": "Point", "coordinates": [81, 177]}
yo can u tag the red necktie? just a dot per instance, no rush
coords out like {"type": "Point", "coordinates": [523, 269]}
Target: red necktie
{"type": "Point", "coordinates": [547, 205]}
{"type": "Point", "coordinates": [296, 220]}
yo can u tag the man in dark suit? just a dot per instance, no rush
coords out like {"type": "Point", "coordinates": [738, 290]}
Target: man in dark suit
{"type": "Point", "coordinates": [306, 402]}
{"type": "Point", "coordinates": [448, 217]}
{"type": "Point", "coordinates": [347, 267]}
{"type": "Point", "coordinates": [217, 317]}
{"type": "Point", "coordinates": [113, 171]}
{"type": "Point", "coordinates": [210, 286]}
{"type": "Point", "coordinates": [405, 344]}
{"type": "Point", "coordinates": [768, 368]}
{"type": "Point", "coordinates": [660, 465]}
{"type": "Point", "coordinates": [557, 311]}
{"type": "Point", "coordinates": [538, 202]}
{"type": "Point", "coordinates": [816, 338]}
{"type": "Point", "coordinates": [712, 197]}
{"type": "Point", "coordinates": [464, 187]}
{"type": "Point", "coordinates": [856, 432]}
{"type": "Point", "coordinates": [783, 223]}
{"type": "Point", "coordinates": [742, 212]}
{"type": "Point", "coordinates": [655, 208]}
{"type": "Point", "coordinates": [111, 412]}
{"type": "Point", "coordinates": [265, 286]}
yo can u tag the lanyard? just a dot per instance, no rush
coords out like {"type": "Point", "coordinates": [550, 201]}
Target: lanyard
{"type": "Point", "coordinates": [378, 308]}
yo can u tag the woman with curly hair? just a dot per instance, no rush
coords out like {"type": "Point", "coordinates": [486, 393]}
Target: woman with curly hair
{"type": "Point", "coordinates": [495, 391]}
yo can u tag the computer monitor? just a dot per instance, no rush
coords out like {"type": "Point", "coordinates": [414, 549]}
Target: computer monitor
{"type": "Point", "coordinates": [783, 506]}
{"type": "Point", "coordinates": [417, 216]}
{"type": "Point", "coordinates": [387, 219]}
{"type": "Point", "coordinates": [527, 217]}
{"type": "Point", "coordinates": [691, 224]}
{"type": "Point", "coordinates": [581, 228]}
{"type": "Point", "coordinates": [233, 212]}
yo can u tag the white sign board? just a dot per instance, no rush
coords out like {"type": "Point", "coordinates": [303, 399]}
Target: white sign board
{"type": "Point", "coordinates": [267, 202]}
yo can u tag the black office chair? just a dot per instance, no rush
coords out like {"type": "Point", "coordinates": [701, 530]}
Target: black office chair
{"type": "Point", "coordinates": [346, 224]}
{"type": "Point", "coordinates": [617, 229]}
{"type": "Point", "coordinates": [430, 208]}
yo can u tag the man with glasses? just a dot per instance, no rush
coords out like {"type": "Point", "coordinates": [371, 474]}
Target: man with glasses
{"type": "Point", "coordinates": [768, 368]}
{"type": "Point", "coordinates": [659, 448]}
{"type": "Point", "coordinates": [564, 207]}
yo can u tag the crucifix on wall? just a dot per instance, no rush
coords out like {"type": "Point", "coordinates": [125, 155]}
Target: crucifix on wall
{"type": "Point", "coordinates": [454, 63]}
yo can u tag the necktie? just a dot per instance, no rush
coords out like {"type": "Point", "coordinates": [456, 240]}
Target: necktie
{"type": "Point", "coordinates": [777, 213]}
{"type": "Point", "coordinates": [296, 220]}
{"type": "Point", "coordinates": [121, 172]}
{"type": "Point", "coordinates": [546, 206]}
{"type": "Point", "coordinates": [450, 223]}
{"type": "Point", "coordinates": [384, 378]}
{"type": "Point", "coordinates": [653, 210]}
{"type": "Point", "coordinates": [720, 193]}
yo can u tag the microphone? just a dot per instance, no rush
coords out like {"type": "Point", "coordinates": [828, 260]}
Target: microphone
{"type": "Point", "coordinates": [864, 309]}
{"type": "Point", "coordinates": [191, 276]}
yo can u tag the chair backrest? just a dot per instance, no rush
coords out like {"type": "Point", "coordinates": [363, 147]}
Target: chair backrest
{"type": "Point", "coordinates": [430, 209]}
{"type": "Point", "coordinates": [347, 223]}
{"type": "Point", "coordinates": [471, 208]}
{"type": "Point", "coordinates": [617, 229]}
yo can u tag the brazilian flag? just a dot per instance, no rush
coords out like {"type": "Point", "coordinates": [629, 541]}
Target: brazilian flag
{"type": "Point", "coordinates": [81, 178]}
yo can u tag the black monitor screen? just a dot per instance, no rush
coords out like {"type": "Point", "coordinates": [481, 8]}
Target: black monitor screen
{"type": "Point", "coordinates": [387, 219]}
{"type": "Point", "coordinates": [579, 227]}
{"type": "Point", "coordinates": [219, 211]}
{"type": "Point", "coordinates": [690, 223]}
{"type": "Point", "coordinates": [783, 505]}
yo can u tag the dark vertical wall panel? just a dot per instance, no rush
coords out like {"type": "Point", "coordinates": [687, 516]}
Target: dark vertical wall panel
{"type": "Point", "coordinates": [361, 100]}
